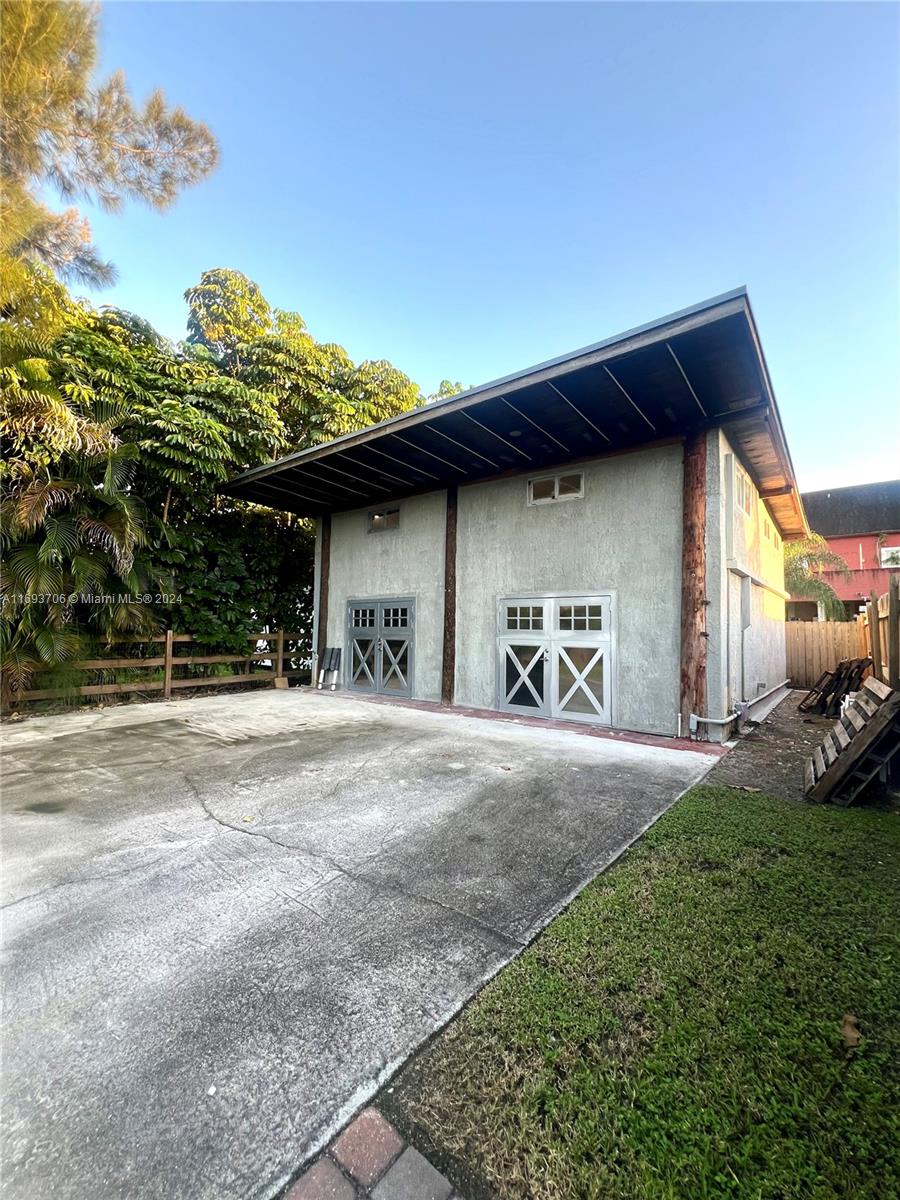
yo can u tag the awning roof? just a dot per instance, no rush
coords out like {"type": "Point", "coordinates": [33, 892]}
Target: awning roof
{"type": "Point", "coordinates": [697, 368]}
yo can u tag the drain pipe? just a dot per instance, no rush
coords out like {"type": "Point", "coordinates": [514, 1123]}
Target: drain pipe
{"type": "Point", "coordinates": [695, 721]}
{"type": "Point", "coordinates": [740, 710]}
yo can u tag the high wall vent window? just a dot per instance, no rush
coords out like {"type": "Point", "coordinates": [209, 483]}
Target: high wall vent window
{"type": "Point", "coordinates": [744, 491]}
{"type": "Point", "coordinates": [385, 518]}
{"type": "Point", "coordinates": [549, 488]}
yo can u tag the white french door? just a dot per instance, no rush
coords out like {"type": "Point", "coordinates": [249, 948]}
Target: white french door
{"type": "Point", "coordinates": [554, 657]}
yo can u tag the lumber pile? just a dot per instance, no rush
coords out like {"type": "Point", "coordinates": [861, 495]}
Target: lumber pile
{"type": "Point", "coordinates": [859, 747]}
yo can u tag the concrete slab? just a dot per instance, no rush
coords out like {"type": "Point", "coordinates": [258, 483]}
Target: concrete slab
{"type": "Point", "coordinates": [227, 920]}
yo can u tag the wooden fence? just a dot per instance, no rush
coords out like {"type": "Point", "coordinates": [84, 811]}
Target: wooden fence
{"type": "Point", "coordinates": [879, 628]}
{"type": "Point", "coordinates": [167, 667]}
{"type": "Point", "coordinates": [817, 646]}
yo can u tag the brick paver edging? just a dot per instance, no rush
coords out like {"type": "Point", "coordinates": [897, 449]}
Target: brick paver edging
{"type": "Point", "coordinates": [370, 1159]}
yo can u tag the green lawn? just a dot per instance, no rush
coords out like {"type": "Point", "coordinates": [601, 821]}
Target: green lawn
{"type": "Point", "coordinates": [677, 1032]}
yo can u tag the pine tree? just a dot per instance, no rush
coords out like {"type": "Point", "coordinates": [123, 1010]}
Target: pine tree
{"type": "Point", "coordinates": [84, 139]}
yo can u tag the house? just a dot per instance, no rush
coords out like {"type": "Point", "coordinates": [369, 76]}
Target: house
{"type": "Point", "coordinates": [862, 525]}
{"type": "Point", "coordinates": [596, 539]}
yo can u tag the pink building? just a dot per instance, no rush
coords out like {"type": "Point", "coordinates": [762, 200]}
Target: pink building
{"type": "Point", "coordinates": [862, 525]}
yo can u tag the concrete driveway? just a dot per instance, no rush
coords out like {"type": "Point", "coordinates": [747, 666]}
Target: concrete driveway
{"type": "Point", "coordinates": [228, 920]}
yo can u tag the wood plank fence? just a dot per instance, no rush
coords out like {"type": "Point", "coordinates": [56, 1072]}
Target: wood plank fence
{"type": "Point", "coordinates": [168, 666]}
{"type": "Point", "coordinates": [879, 628]}
{"type": "Point", "coordinates": [817, 646]}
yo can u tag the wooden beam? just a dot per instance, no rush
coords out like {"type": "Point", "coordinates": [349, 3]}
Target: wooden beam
{"type": "Point", "coordinates": [693, 581]}
{"type": "Point", "coordinates": [448, 662]}
{"type": "Point", "coordinates": [322, 608]}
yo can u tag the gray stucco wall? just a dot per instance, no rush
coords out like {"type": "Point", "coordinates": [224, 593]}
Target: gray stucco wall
{"type": "Point", "coordinates": [745, 582]}
{"type": "Point", "coordinates": [408, 561]}
{"type": "Point", "coordinates": [623, 537]}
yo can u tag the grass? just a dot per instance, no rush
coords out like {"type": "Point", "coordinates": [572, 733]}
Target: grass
{"type": "Point", "coordinates": [679, 1032]}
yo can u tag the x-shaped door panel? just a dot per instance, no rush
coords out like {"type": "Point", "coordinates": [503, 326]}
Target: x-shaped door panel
{"type": "Point", "coordinates": [524, 679]}
{"type": "Point", "coordinates": [362, 664]}
{"type": "Point", "coordinates": [394, 665]}
{"type": "Point", "coordinates": [581, 680]}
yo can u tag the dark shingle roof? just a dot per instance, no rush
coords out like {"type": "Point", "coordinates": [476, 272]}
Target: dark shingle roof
{"type": "Point", "coordinates": [866, 508]}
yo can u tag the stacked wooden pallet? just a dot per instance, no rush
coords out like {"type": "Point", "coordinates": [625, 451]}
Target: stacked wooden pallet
{"type": "Point", "coordinates": [859, 747]}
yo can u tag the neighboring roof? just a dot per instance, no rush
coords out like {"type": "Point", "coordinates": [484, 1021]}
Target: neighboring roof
{"type": "Point", "coordinates": [694, 369]}
{"type": "Point", "coordinates": [865, 508]}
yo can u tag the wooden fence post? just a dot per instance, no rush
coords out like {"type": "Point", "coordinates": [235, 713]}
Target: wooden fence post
{"type": "Point", "coordinates": [167, 669]}
{"type": "Point", "coordinates": [875, 637]}
{"type": "Point", "coordinates": [280, 680]}
{"type": "Point", "coordinates": [893, 632]}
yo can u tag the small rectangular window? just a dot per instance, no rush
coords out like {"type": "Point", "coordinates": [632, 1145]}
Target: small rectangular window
{"type": "Point", "coordinates": [385, 518]}
{"type": "Point", "coordinates": [890, 556]}
{"type": "Point", "coordinates": [542, 489]}
{"type": "Point", "coordinates": [524, 616]}
{"type": "Point", "coordinates": [579, 618]}
{"type": "Point", "coordinates": [548, 488]}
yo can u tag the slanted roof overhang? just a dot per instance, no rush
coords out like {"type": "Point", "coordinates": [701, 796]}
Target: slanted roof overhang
{"type": "Point", "coordinates": [696, 369]}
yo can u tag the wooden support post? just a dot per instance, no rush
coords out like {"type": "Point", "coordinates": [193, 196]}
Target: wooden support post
{"type": "Point", "coordinates": [893, 632]}
{"type": "Point", "coordinates": [448, 661]}
{"type": "Point", "coordinates": [875, 638]}
{"type": "Point", "coordinates": [693, 581]}
{"type": "Point", "coordinates": [322, 608]}
{"type": "Point", "coordinates": [167, 669]}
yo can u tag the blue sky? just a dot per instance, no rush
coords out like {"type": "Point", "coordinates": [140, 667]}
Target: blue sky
{"type": "Point", "coordinates": [468, 189]}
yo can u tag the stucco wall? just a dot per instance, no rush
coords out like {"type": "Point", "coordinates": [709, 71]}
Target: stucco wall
{"type": "Point", "coordinates": [623, 537]}
{"type": "Point", "coordinates": [408, 561]}
{"type": "Point", "coordinates": [745, 574]}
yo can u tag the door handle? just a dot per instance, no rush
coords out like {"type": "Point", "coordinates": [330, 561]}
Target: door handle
{"type": "Point", "coordinates": [546, 656]}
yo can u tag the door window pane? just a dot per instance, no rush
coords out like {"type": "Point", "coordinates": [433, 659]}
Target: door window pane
{"type": "Point", "coordinates": [396, 618]}
{"type": "Point", "coordinates": [524, 616]}
{"type": "Point", "coordinates": [362, 618]}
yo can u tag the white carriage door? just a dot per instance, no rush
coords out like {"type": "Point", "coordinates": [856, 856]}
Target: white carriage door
{"type": "Point", "coordinates": [581, 648]}
{"type": "Point", "coordinates": [523, 657]}
{"type": "Point", "coordinates": [554, 657]}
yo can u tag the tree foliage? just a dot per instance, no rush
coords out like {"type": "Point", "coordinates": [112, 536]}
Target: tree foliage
{"type": "Point", "coordinates": [115, 440]}
{"type": "Point", "coordinates": [446, 389]}
{"type": "Point", "coordinates": [804, 562]}
{"type": "Point", "coordinates": [83, 138]}
{"type": "Point", "coordinates": [319, 391]}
